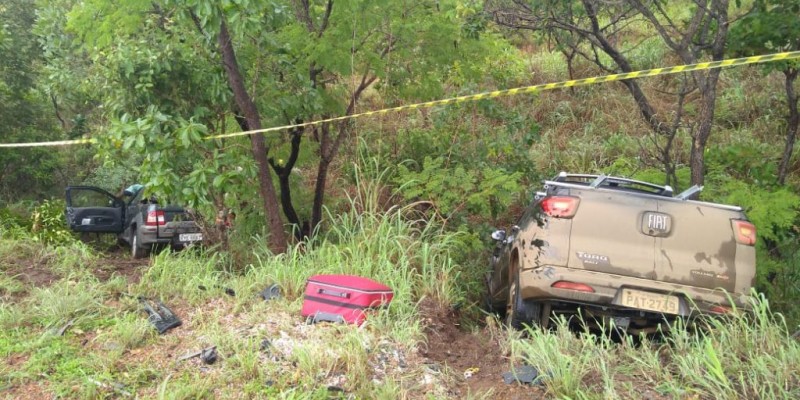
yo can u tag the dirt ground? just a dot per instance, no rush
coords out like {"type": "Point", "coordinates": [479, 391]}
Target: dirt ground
{"type": "Point", "coordinates": [477, 352]}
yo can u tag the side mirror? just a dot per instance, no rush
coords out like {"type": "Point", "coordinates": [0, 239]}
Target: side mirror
{"type": "Point", "coordinates": [499, 235]}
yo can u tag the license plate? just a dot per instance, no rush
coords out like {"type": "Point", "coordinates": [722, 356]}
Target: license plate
{"type": "Point", "coordinates": [190, 237]}
{"type": "Point", "coordinates": [662, 303]}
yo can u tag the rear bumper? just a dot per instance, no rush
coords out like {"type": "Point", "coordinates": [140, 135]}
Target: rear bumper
{"type": "Point", "coordinates": [536, 284]}
{"type": "Point", "coordinates": [168, 234]}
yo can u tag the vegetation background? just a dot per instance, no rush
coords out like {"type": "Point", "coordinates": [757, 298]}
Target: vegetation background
{"type": "Point", "coordinates": [408, 198]}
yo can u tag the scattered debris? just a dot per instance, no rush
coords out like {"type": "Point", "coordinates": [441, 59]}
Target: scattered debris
{"type": "Point", "coordinates": [209, 353]}
{"type": "Point", "coordinates": [159, 315]}
{"type": "Point", "coordinates": [271, 293]}
{"type": "Point", "coordinates": [115, 386]}
{"type": "Point", "coordinates": [471, 371]}
{"type": "Point", "coordinates": [227, 290]}
{"type": "Point", "coordinates": [524, 374]}
{"type": "Point", "coordinates": [66, 327]}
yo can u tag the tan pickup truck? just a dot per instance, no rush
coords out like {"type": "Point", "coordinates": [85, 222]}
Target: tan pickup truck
{"type": "Point", "coordinates": [622, 250]}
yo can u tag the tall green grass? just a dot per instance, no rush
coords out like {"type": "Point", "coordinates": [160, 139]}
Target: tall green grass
{"type": "Point", "coordinates": [743, 356]}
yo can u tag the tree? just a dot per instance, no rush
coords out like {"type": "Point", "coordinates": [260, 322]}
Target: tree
{"type": "Point", "coordinates": [25, 114]}
{"type": "Point", "coordinates": [168, 82]}
{"type": "Point", "coordinates": [774, 26]}
{"type": "Point", "coordinates": [600, 24]}
{"type": "Point", "coordinates": [172, 72]}
{"type": "Point", "coordinates": [355, 44]}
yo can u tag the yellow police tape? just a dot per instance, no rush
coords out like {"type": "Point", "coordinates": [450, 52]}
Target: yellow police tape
{"type": "Point", "coordinates": [487, 95]}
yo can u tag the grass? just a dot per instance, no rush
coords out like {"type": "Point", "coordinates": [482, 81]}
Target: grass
{"type": "Point", "coordinates": [112, 350]}
{"type": "Point", "coordinates": [747, 355]}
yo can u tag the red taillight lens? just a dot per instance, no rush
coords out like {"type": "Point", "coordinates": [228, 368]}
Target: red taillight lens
{"type": "Point", "coordinates": [745, 232]}
{"type": "Point", "coordinates": [155, 218]}
{"type": "Point", "coordinates": [560, 206]}
{"type": "Point", "coordinates": [581, 287]}
{"type": "Point", "coordinates": [719, 309]}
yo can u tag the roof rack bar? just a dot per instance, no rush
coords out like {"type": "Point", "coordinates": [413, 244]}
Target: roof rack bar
{"type": "Point", "coordinates": [689, 192]}
{"type": "Point", "coordinates": [598, 181]}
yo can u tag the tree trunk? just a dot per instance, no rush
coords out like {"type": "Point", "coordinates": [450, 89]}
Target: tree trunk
{"type": "Point", "coordinates": [322, 176]}
{"type": "Point", "coordinates": [277, 238]}
{"type": "Point", "coordinates": [284, 172]}
{"type": "Point", "coordinates": [792, 124]}
{"type": "Point", "coordinates": [319, 193]}
{"type": "Point", "coordinates": [705, 124]}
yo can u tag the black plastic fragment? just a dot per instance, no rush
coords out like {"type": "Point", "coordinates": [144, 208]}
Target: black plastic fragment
{"type": "Point", "coordinates": [523, 374]}
{"type": "Point", "coordinates": [209, 355]}
{"type": "Point", "coordinates": [159, 315]}
{"type": "Point", "coordinates": [271, 293]}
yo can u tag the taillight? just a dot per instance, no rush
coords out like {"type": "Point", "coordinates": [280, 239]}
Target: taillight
{"type": "Point", "coordinates": [560, 206]}
{"type": "Point", "coordinates": [720, 309]}
{"type": "Point", "coordinates": [745, 232]}
{"type": "Point", "coordinates": [155, 218]}
{"type": "Point", "coordinates": [581, 287]}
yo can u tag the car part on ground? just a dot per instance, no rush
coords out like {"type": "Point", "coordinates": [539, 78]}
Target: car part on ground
{"type": "Point", "coordinates": [523, 374]}
{"type": "Point", "coordinates": [159, 315]}
{"type": "Point", "coordinates": [621, 250]}
{"type": "Point", "coordinates": [273, 292]}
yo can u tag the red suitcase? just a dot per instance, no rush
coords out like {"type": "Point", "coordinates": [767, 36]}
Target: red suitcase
{"type": "Point", "coordinates": [343, 298]}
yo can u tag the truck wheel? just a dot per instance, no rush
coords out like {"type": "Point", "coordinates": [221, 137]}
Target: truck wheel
{"type": "Point", "coordinates": [137, 251]}
{"type": "Point", "coordinates": [520, 311]}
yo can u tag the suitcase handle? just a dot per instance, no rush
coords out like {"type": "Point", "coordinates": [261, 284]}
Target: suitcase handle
{"type": "Point", "coordinates": [321, 316]}
{"type": "Point", "coordinates": [334, 293]}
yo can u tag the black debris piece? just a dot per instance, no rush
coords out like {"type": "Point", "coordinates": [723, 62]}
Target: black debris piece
{"type": "Point", "coordinates": [209, 355]}
{"type": "Point", "coordinates": [271, 293]}
{"type": "Point", "coordinates": [265, 345]}
{"type": "Point", "coordinates": [207, 352]}
{"type": "Point", "coordinates": [66, 327]}
{"type": "Point", "coordinates": [524, 374]}
{"type": "Point", "coordinates": [162, 318]}
{"type": "Point", "coordinates": [227, 290]}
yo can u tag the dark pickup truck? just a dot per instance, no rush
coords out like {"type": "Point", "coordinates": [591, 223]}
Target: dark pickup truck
{"type": "Point", "coordinates": [138, 221]}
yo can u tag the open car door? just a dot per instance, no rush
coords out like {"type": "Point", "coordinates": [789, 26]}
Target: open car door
{"type": "Point", "coordinates": [91, 209]}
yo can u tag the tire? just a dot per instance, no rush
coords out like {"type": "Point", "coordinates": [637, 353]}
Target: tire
{"type": "Point", "coordinates": [521, 312]}
{"type": "Point", "coordinates": [137, 251]}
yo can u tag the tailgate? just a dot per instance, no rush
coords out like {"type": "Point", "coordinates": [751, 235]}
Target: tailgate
{"type": "Point", "coordinates": [178, 221]}
{"type": "Point", "coordinates": [606, 235]}
{"type": "Point", "coordinates": [700, 249]}
{"type": "Point", "coordinates": [682, 242]}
